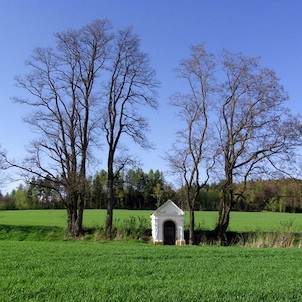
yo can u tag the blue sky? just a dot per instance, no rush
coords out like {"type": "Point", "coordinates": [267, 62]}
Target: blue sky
{"type": "Point", "coordinates": [271, 29]}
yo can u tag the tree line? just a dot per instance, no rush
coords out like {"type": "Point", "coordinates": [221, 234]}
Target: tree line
{"type": "Point", "coordinates": [137, 190]}
{"type": "Point", "coordinates": [133, 190]}
{"type": "Point", "coordinates": [283, 195]}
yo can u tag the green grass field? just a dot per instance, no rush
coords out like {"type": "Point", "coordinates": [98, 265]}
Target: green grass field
{"type": "Point", "coordinates": [86, 271]}
{"type": "Point", "coordinates": [240, 221]}
{"type": "Point", "coordinates": [43, 267]}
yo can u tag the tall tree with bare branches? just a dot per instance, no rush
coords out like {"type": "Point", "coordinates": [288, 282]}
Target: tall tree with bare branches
{"type": "Point", "coordinates": [131, 86]}
{"type": "Point", "coordinates": [61, 90]}
{"type": "Point", "coordinates": [255, 131]}
{"type": "Point", "coordinates": [256, 135]}
{"type": "Point", "coordinates": [190, 155]}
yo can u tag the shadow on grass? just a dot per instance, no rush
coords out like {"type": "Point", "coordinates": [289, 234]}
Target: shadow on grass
{"type": "Point", "coordinates": [35, 233]}
{"type": "Point", "coordinates": [202, 237]}
{"type": "Point", "coordinates": [249, 239]}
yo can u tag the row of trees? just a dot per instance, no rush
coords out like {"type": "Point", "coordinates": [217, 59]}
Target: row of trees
{"type": "Point", "coordinates": [132, 190]}
{"type": "Point", "coordinates": [283, 195]}
{"type": "Point", "coordinates": [89, 89]}
{"type": "Point", "coordinates": [271, 195]}
{"type": "Point", "coordinates": [140, 191]}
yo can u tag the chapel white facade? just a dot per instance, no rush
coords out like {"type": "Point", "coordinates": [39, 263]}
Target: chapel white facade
{"type": "Point", "coordinates": [168, 224]}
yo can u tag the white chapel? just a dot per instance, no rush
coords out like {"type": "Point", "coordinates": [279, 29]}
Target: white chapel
{"type": "Point", "coordinates": [168, 224]}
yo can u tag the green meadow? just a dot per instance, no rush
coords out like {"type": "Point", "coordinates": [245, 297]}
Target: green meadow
{"type": "Point", "coordinates": [240, 221]}
{"type": "Point", "coordinates": [38, 264]}
{"type": "Point", "coordinates": [123, 271]}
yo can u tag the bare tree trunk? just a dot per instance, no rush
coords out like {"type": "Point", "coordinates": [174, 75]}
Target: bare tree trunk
{"type": "Point", "coordinates": [110, 204]}
{"type": "Point", "coordinates": [192, 227]}
{"type": "Point", "coordinates": [81, 205]}
{"type": "Point", "coordinates": [225, 208]}
{"type": "Point", "coordinates": [75, 210]}
{"type": "Point", "coordinates": [109, 219]}
{"type": "Point", "coordinates": [191, 203]}
{"type": "Point", "coordinates": [224, 217]}
{"type": "Point", "coordinates": [72, 226]}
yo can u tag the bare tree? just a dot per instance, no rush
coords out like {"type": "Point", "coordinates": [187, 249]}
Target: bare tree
{"type": "Point", "coordinates": [255, 130]}
{"type": "Point", "coordinates": [190, 155]}
{"type": "Point", "coordinates": [256, 133]}
{"type": "Point", "coordinates": [131, 85]}
{"type": "Point", "coordinates": [61, 89]}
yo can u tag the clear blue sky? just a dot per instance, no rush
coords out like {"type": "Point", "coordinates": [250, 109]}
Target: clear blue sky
{"type": "Point", "coordinates": [271, 29]}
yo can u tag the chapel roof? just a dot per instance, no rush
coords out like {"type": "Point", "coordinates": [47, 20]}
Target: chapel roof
{"type": "Point", "coordinates": [168, 208]}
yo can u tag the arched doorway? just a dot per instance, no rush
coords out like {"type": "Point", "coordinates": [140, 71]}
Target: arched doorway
{"type": "Point", "coordinates": [169, 232]}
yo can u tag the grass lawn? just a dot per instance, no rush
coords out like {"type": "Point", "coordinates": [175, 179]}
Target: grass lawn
{"type": "Point", "coordinates": [240, 221]}
{"type": "Point", "coordinates": [86, 271]}
{"type": "Point", "coordinates": [130, 270]}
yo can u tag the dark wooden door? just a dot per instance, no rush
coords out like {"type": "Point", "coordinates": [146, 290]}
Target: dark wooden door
{"type": "Point", "coordinates": [169, 233]}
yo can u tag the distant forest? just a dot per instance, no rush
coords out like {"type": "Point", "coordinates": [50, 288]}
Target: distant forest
{"type": "Point", "coordinates": [138, 190]}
